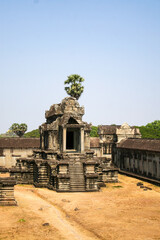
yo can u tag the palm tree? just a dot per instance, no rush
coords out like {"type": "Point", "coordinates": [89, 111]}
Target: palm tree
{"type": "Point", "coordinates": [75, 89]}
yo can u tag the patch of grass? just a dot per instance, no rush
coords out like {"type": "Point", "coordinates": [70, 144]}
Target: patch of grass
{"type": "Point", "coordinates": [22, 220]}
{"type": "Point", "coordinates": [117, 186]}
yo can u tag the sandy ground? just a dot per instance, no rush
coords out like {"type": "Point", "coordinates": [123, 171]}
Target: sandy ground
{"type": "Point", "coordinates": [119, 211]}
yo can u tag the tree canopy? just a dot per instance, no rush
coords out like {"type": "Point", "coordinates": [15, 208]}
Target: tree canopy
{"type": "Point", "coordinates": [94, 131]}
{"type": "Point", "coordinates": [33, 134]}
{"type": "Point", "coordinates": [151, 130]}
{"type": "Point", "coordinates": [19, 129]}
{"type": "Point", "coordinates": [74, 88]}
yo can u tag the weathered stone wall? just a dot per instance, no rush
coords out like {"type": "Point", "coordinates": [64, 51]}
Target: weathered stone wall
{"type": "Point", "coordinates": [10, 155]}
{"type": "Point", "coordinates": [97, 152]}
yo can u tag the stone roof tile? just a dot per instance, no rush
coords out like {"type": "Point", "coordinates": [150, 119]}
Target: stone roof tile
{"type": "Point", "coordinates": [19, 142]}
{"type": "Point", "coordinates": [140, 144]}
{"type": "Point", "coordinates": [107, 129]}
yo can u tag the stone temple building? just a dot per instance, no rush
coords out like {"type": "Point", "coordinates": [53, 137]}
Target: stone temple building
{"type": "Point", "coordinates": [66, 158]}
{"type": "Point", "coordinates": [64, 161]}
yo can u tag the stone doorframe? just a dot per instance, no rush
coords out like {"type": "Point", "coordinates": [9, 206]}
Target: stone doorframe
{"type": "Point", "coordinates": [81, 142]}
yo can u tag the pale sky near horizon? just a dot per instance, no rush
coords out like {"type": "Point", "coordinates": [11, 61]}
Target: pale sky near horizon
{"type": "Point", "coordinates": [114, 45]}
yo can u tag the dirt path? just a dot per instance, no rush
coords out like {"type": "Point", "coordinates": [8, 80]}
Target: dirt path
{"type": "Point", "coordinates": [50, 214]}
{"type": "Point", "coordinates": [33, 207]}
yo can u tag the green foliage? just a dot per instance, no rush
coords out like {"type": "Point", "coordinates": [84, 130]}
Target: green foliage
{"type": "Point", "coordinates": [18, 129]}
{"type": "Point", "coordinates": [33, 134]}
{"type": "Point", "coordinates": [21, 220]}
{"type": "Point", "coordinates": [147, 132]}
{"type": "Point", "coordinates": [119, 186]}
{"type": "Point", "coordinates": [154, 125]}
{"type": "Point", "coordinates": [75, 89]}
{"type": "Point", "coordinates": [151, 130]}
{"type": "Point", "coordinates": [94, 131]}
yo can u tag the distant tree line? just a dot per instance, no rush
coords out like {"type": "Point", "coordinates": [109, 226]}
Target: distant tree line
{"type": "Point", "coordinates": [151, 130]}
{"type": "Point", "coordinates": [33, 134]}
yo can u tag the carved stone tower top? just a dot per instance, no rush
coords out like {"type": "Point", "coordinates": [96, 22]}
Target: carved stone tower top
{"type": "Point", "coordinates": [64, 130]}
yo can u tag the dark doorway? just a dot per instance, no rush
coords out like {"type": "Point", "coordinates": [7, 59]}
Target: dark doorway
{"type": "Point", "coordinates": [70, 140]}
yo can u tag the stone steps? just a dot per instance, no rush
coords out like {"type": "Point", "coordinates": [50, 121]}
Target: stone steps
{"type": "Point", "coordinates": [42, 175]}
{"type": "Point", "coordinates": [77, 182]}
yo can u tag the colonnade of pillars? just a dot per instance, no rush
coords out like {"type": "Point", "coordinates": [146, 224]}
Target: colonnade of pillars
{"type": "Point", "coordinates": [143, 165]}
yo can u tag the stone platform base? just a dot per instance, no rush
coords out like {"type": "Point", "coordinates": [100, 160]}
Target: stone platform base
{"type": "Point", "coordinates": [7, 191]}
{"type": "Point", "coordinates": [40, 185]}
{"type": "Point", "coordinates": [8, 203]}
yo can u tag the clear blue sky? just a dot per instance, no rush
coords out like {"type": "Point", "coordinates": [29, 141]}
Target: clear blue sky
{"type": "Point", "coordinates": [113, 44]}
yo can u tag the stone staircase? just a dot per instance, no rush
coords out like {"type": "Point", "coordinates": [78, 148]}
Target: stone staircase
{"type": "Point", "coordinates": [77, 181]}
{"type": "Point", "coordinates": [41, 178]}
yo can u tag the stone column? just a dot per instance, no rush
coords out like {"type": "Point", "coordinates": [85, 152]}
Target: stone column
{"type": "Point", "coordinates": [55, 140]}
{"type": "Point", "coordinates": [158, 167]}
{"type": "Point", "coordinates": [153, 168]}
{"type": "Point", "coordinates": [82, 140]}
{"type": "Point", "coordinates": [50, 140]}
{"type": "Point", "coordinates": [42, 140]}
{"type": "Point", "coordinates": [147, 164]}
{"type": "Point", "coordinates": [64, 139]}
{"type": "Point", "coordinates": [142, 163]}
{"type": "Point", "coordinates": [133, 169]}
{"type": "Point", "coordinates": [130, 159]}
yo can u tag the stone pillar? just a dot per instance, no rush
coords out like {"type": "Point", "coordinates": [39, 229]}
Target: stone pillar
{"type": "Point", "coordinates": [42, 140]}
{"type": "Point", "coordinates": [82, 140]}
{"type": "Point", "coordinates": [130, 159]}
{"type": "Point", "coordinates": [142, 163]}
{"type": "Point", "coordinates": [147, 164]}
{"type": "Point", "coordinates": [153, 168]}
{"type": "Point", "coordinates": [64, 139]}
{"type": "Point", "coordinates": [87, 140]}
{"type": "Point", "coordinates": [158, 168]}
{"type": "Point", "coordinates": [119, 157]}
{"type": "Point", "coordinates": [50, 140]}
{"type": "Point", "coordinates": [133, 169]}
{"type": "Point", "coordinates": [55, 140]}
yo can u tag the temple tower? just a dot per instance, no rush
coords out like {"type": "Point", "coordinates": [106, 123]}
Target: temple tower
{"type": "Point", "coordinates": [64, 161]}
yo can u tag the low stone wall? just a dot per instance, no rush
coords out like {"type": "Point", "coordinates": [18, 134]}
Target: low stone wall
{"type": "Point", "coordinates": [110, 175]}
{"type": "Point", "coordinates": [7, 191]}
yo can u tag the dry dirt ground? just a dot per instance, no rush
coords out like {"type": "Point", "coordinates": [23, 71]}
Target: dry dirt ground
{"type": "Point", "coordinates": [119, 211]}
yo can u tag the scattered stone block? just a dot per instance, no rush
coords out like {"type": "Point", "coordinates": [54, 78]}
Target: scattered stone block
{"type": "Point", "coordinates": [76, 209]}
{"type": "Point", "coordinates": [139, 184]}
{"type": "Point", "coordinates": [45, 224]}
